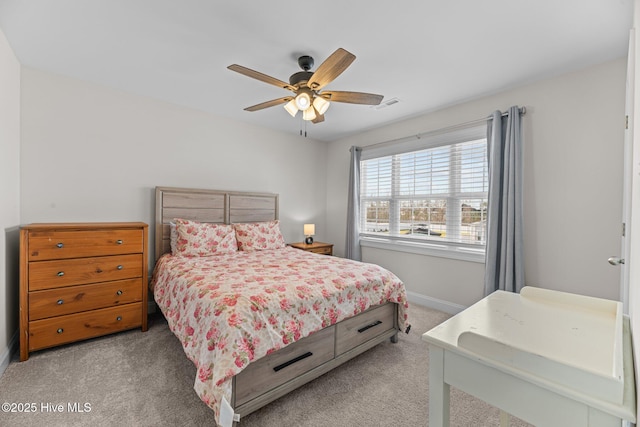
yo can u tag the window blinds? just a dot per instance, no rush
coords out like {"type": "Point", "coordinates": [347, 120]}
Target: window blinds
{"type": "Point", "coordinates": [436, 191]}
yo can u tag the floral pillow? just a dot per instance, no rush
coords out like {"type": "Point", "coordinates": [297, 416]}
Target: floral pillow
{"type": "Point", "coordinates": [203, 239]}
{"type": "Point", "coordinates": [258, 236]}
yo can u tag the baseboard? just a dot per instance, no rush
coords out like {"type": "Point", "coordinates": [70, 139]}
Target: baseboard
{"type": "Point", "coordinates": [5, 357]}
{"type": "Point", "coordinates": [436, 304]}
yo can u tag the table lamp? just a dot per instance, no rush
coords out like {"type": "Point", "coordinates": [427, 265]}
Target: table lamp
{"type": "Point", "coordinates": [309, 231]}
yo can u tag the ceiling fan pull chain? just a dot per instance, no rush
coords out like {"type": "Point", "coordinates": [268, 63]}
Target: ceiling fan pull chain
{"type": "Point", "coordinates": [303, 123]}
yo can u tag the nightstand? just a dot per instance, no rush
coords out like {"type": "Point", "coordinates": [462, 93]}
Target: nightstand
{"type": "Point", "coordinates": [316, 247]}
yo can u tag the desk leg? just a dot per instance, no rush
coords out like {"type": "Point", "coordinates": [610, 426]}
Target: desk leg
{"type": "Point", "coordinates": [438, 389]}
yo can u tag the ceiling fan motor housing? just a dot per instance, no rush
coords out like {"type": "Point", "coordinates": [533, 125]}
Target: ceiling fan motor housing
{"type": "Point", "coordinates": [300, 76]}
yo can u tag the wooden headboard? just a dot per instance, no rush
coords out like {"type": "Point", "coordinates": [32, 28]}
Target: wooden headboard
{"type": "Point", "coordinates": [216, 206]}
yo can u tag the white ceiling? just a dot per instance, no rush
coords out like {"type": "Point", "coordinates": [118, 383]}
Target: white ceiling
{"type": "Point", "coordinates": [428, 54]}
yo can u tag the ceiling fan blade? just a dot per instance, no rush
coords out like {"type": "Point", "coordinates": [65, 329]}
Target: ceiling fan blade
{"type": "Point", "coordinates": [259, 76]}
{"type": "Point", "coordinates": [352, 97]}
{"type": "Point", "coordinates": [268, 104]}
{"type": "Point", "coordinates": [331, 68]}
{"type": "Point", "coordinates": [319, 119]}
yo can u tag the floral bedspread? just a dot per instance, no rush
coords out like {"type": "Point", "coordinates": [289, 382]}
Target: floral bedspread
{"type": "Point", "coordinates": [231, 309]}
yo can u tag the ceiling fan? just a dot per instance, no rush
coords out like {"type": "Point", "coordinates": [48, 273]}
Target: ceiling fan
{"type": "Point", "coordinates": [307, 87]}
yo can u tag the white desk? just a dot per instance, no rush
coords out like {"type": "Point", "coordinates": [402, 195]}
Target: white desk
{"type": "Point", "coordinates": [547, 357]}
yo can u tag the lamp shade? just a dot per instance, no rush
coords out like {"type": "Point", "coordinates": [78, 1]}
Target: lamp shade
{"type": "Point", "coordinates": [309, 113]}
{"type": "Point", "coordinates": [303, 101]}
{"type": "Point", "coordinates": [291, 107]}
{"type": "Point", "coordinates": [321, 104]}
{"type": "Point", "coordinates": [309, 229]}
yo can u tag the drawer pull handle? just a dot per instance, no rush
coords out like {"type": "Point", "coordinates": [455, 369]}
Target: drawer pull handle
{"type": "Point", "coordinates": [292, 361]}
{"type": "Point", "coordinates": [119, 242]}
{"type": "Point", "coordinates": [60, 245]}
{"type": "Point", "coordinates": [119, 292]}
{"type": "Point", "coordinates": [119, 267]}
{"type": "Point", "coordinates": [119, 318]}
{"type": "Point", "coordinates": [364, 328]}
{"type": "Point", "coordinates": [60, 330]}
{"type": "Point", "coordinates": [60, 302]}
{"type": "Point", "coordinates": [60, 273]}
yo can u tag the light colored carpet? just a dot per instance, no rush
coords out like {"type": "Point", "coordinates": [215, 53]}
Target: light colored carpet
{"type": "Point", "coordinates": [144, 379]}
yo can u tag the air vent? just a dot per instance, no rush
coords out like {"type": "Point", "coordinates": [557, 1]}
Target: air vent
{"type": "Point", "coordinates": [387, 103]}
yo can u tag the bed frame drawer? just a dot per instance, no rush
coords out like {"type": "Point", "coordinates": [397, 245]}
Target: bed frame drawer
{"type": "Point", "coordinates": [368, 325]}
{"type": "Point", "coordinates": [284, 365]}
{"type": "Point", "coordinates": [73, 327]}
{"type": "Point", "coordinates": [74, 299]}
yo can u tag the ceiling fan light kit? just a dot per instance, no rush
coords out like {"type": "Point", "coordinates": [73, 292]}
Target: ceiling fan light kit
{"type": "Point", "coordinates": [309, 114]}
{"type": "Point", "coordinates": [303, 99]}
{"type": "Point", "coordinates": [321, 104]}
{"type": "Point", "coordinates": [291, 107]}
{"type": "Point", "coordinates": [307, 87]}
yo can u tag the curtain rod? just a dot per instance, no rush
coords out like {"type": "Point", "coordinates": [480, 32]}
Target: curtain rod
{"type": "Point", "coordinates": [523, 111]}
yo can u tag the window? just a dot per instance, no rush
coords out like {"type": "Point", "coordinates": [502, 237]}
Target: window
{"type": "Point", "coordinates": [429, 191]}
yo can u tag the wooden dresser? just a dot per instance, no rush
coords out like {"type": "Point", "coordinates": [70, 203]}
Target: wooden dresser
{"type": "Point", "coordinates": [81, 280]}
{"type": "Point", "coordinates": [316, 247]}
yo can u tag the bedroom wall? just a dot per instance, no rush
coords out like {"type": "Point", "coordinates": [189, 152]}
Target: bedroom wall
{"type": "Point", "coordinates": [573, 132]}
{"type": "Point", "coordinates": [91, 153]}
{"type": "Point", "coordinates": [9, 198]}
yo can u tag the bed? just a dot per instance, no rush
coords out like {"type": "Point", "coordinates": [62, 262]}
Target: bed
{"type": "Point", "coordinates": [263, 320]}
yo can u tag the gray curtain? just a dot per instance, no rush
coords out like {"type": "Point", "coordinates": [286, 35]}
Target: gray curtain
{"type": "Point", "coordinates": [352, 248]}
{"type": "Point", "coordinates": [504, 263]}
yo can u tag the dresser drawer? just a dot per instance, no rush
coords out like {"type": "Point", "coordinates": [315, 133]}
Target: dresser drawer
{"type": "Point", "coordinates": [367, 325]}
{"type": "Point", "coordinates": [74, 299]}
{"type": "Point", "coordinates": [56, 274]}
{"type": "Point", "coordinates": [72, 327]}
{"type": "Point", "coordinates": [288, 363]}
{"type": "Point", "coordinates": [75, 244]}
